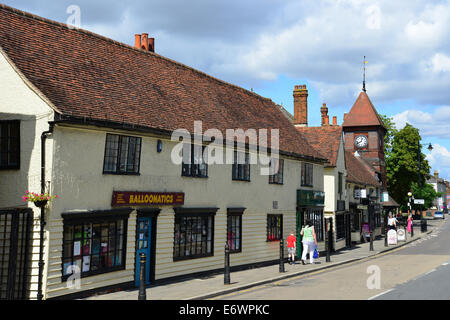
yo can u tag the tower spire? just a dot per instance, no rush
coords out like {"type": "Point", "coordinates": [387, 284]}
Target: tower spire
{"type": "Point", "coordinates": [364, 75]}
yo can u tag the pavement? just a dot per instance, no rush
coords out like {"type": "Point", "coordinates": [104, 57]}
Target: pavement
{"type": "Point", "coordinates": [207, 287]}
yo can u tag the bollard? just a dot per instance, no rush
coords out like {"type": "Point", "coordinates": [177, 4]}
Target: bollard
{"type": "Point", "coordinates": [412, 228]}
{"type": "Point", "coordinates": [142, 292]}
{"type": "Point", "coordinates": [226, 278]}
{"type": "Point", "coordinates": [371, 240]}
{"type": "Point", "coordinates": [282, 255]}
{"type": "Point", "coordinates": [328, 242]}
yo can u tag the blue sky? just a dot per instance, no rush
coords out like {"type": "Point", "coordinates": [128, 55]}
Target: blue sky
{"type": "Point", "coordinates": [272, 45]}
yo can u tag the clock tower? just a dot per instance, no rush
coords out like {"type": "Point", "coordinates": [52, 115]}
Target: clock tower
{"type": "Point", "coordinates": [364, 133]}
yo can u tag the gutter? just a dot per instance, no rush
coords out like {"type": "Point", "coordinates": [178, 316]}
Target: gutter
{"type": "Point", "coordinates": [44, 136]}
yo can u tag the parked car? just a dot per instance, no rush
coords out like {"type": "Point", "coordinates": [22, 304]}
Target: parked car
{"type": "Point", "coordinates": [439, 215]}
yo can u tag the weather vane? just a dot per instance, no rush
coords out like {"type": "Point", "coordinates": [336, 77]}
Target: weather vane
{"type": "Point", "coordinates": [364, 74]}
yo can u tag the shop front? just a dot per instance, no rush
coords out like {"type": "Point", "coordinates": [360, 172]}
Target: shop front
{"type": "Point", "coordinates": [147, 208]}
{"type": "Point", "coordinates": [310, 205]}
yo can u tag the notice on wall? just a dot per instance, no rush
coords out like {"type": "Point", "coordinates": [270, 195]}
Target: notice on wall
{"type": "Point", "coordinates": [77, 248]}
{"type": "Point", "coordinates": [86, 263]}
{"type": "Point", "coordinates": [392, 237]}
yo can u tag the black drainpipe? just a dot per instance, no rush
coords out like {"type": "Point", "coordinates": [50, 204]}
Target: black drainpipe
{"type": "Point", "coordinates": [41, 240]}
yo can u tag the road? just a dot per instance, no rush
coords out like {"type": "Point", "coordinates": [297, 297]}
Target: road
{"type": "Point", "coordinates": [419, 270]}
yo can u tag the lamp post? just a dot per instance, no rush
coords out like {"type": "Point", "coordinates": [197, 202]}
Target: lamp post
{"type": "Point", "coordinates": [410, 212]}
{"type": "Point", "coordinates": [422, 221]}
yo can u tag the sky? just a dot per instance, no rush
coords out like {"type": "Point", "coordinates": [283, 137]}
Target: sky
{"type": "Point", "coordinates": [272, 45]}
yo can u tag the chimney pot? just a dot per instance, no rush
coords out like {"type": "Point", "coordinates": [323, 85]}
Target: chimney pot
{"type": "Point", "coordinates": [324, 112]}
{"type": "Point", "coordinates": [138, 41]}
{"type": "Point", "coordinates": [335, 121]}
{"type": "Point", "coordinates": [151, 44]}
{"type": "Point", "coordinates": [145, 41]}
{"type": "Point", "coordinates": [327, 121]}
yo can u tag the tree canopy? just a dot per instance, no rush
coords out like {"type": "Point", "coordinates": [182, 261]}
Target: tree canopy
{"type": "Point", "coordinates": [403, 158]}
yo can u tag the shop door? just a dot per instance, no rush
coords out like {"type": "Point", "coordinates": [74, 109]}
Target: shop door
{"type": "Point", "coordinates": [143, 245]}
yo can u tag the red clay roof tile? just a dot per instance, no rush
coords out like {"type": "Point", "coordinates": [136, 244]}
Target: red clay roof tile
{"type": "Point", "coordinates": [88, 75]}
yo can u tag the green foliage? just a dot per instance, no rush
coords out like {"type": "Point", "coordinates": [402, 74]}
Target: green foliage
{"type": "Point", "coordinates": [403, 158]}
{"type": "Point", "coordinates": [427, 193]}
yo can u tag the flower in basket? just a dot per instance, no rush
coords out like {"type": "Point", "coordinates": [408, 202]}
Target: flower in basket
{"type": "Point", "coordinates": [38, 197]}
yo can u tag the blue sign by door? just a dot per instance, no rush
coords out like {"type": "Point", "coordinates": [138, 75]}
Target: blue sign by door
{"type": "Point", "coordinates": [143, 245]}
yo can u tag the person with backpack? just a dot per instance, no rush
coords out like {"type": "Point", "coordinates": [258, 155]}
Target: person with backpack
{"type": "Point", "coordinates": [309, 241]}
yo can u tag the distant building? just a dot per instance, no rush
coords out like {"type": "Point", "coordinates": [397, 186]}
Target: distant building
{"type": "Point", "coordinates": [439, 186]}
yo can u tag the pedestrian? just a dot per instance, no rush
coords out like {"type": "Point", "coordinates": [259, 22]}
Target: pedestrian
{"type": "Point", "coordinates": [410, 222]}
{"type": "Point", "coordinates": [392, 222]}
{"type": "Point", "coordinates": [309, 241]}
{"type": "Point", "coordinates": [291, 245]}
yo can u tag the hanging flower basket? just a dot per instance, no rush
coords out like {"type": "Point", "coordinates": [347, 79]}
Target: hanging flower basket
{"type": "Point", "coordinates": [40, 203]}
{"type": "Point", "coordinates": [39, 200]}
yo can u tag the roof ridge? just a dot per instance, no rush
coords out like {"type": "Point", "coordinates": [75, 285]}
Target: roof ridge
{"type": "Point", "coordinates": [124, 45]}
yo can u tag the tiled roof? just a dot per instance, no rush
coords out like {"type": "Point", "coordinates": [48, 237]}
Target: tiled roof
{"type": "Point", "coordinates": [358, 170]}
{"type": "Point", "coordinates": [87, 75]}
{"type": "Point", "coordinates": [326, 139]}
{"type": "Point", "coordinates": [363, 113]}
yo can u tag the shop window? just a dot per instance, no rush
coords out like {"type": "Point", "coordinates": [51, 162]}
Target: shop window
{"type": "Point", "coordinates": [316, 217]}
{"type": "Point", "coordinates": [340, 227]}
{"type": "Point", "coordinates": [94, 247]}
{"type": "Point", "coordinates": [274, 227]}
{"type": "Point", "coordinates": [234, 232]}
{"type": "Point", "coordinates": [122, 154]}
{"type": "Point", "coordinates": [307, 175]}
{"type": "Point", "coordinates": [277, 177]}
{"type": "Point", "coordinates": [241, 166]}
{"type": "Point", "coordinates": [194, 236]}
{"type": "Point", "coordinates": [10, 144]}
{"type": "Point", "coordinates": [194, 161]}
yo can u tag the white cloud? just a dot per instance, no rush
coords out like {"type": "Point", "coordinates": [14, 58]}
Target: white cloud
{"type": "Point", "coordinates": [434, 124]}
{"type": "Point", "coordinates": [439, 159]}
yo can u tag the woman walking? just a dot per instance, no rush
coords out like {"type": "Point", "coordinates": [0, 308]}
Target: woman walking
{"type": "Point", "coordinates": [309, 241]}
{"type": "Point", "coordinates": [392, 222]}
{"type": "Point", "coordinates": [410, 221]}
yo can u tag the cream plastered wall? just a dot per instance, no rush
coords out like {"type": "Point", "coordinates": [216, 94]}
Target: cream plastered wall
{"type": "Point", "coordinates": [21, 101]}
{"type": "Point", "coordinates": [78, 179]}
{"type": "Point", "coordinates": [331, 181]}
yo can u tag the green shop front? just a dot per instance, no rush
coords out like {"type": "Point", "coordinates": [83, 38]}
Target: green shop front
{"type": "Point", "coordinates": [310, 205]}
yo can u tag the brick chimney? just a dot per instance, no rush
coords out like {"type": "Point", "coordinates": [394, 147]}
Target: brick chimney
{"type": "Point", "coordinates": [436, 174]}
{"type": "Point", "coordinates": [144, 42]}
{"type": "Point", "coordinates": [324, 112]}
{"type": "Point", "coordinates": [335, 121]}
{"type": "Point", "coordinates": [301, 106]}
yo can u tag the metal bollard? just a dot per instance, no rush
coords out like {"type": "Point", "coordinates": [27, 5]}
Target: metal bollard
{"type": "Point", "coordinates": [412, 229]}
{"type": "Point", "coordinates": [371, 240]}
{"type": "Point", "coordinates": [282, 255]}
{"type": "Point", "coordinates": [142, 292]}
{"type": "Point", "coordinates": [328, 242]}
{"type": "Point", "coordinates": [226, 278]}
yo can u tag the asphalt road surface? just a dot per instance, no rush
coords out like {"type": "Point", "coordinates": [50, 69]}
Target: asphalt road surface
{"type": "Point", "coordinates": [419, 270]}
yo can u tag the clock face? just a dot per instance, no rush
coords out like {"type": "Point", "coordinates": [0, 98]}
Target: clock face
{"type": "Point", "coordinates": [361, 141]}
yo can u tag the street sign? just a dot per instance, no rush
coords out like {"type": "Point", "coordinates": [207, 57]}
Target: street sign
{"type": "Point", "coordinates": [385, 197]}
{"type": "Point", "coordinates": [419, 201]}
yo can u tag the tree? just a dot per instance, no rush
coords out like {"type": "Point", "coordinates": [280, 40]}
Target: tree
{"type": "Point", "coordinates": [427, 193]}
{"type": "Point", "coordinates": [390, 134]}
{"type": "Point", "coordinates": [402, 163]}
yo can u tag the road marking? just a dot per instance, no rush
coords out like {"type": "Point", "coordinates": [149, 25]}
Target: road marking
{"type": "Point", "coordinates": [445, 263]}
{"type": "Point", "coordinates": [378, 295]}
